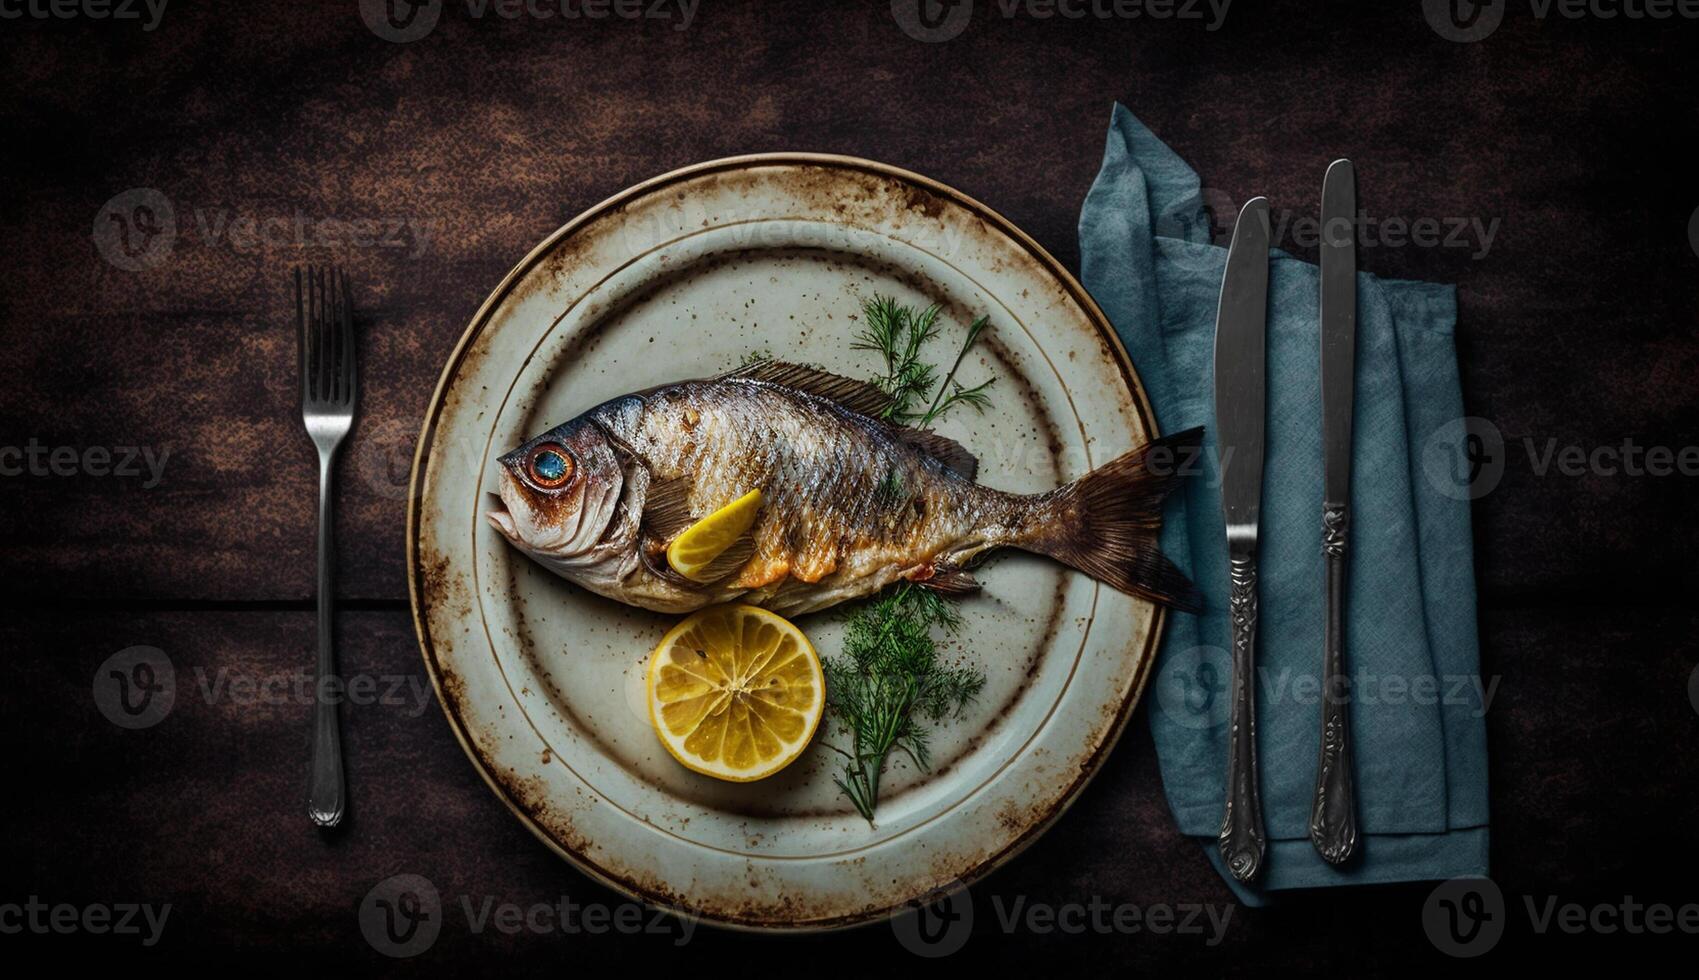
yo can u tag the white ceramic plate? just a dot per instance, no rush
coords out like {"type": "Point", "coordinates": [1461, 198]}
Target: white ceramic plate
{"type": "Point", "coordinates": [686, 276]}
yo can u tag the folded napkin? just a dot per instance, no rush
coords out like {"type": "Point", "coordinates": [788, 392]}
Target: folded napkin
{"type": "Point", "coordinates": [1417, 710]}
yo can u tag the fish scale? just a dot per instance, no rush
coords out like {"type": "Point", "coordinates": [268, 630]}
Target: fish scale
{"type": "Point", "coordinates": [817, 467]}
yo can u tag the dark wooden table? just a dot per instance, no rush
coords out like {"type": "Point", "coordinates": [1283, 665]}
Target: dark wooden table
{"type": "Point", "coordinates": [284, 133]}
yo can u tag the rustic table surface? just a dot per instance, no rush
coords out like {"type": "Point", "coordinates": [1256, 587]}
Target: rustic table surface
{"type": "Point", "coordinates": [156, 324]}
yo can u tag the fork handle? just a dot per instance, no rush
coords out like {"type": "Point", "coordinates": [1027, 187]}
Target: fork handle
{"type": "Point", "coordinates": [326, 795]}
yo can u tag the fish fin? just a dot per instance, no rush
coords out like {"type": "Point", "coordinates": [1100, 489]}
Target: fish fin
{"type": "Point", "coordinates": [666, 508]}
{"type": "Point", "coordinates": [860, 397]}
{"type": "Point", "coordinates": [730, 561]}
{"type": "Point", "coordinates": [948, 581]}
{"type": "Point", "coordinates": [951, 453]}
{"type": "Point", "coordinates": [662, 523]}
{"type": "Point", "coordinates": [1105, 524]}
{"type": "Point", "coordinates": [653, 554]}
{"type": "Point", "coordinates": [863, 398]}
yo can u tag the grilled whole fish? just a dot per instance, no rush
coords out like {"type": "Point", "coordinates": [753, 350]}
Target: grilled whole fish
{"type": "Point", "coordinates": [850, 503]}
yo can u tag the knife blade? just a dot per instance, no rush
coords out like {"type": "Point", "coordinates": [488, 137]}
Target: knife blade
{"type": "Point", "coordinates": [1333, 813]}
{"type": "Point", "coordinates": [1241, 328]}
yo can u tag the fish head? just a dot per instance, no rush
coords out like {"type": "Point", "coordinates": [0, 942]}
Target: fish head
{"type": "Point", "coordinates": [560, 494]}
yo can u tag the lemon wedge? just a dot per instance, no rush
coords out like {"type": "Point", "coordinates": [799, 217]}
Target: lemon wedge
{"type": "Point", "coordinates": [709, 537]}
{"type": "Point", "coordinates": [735, 692]}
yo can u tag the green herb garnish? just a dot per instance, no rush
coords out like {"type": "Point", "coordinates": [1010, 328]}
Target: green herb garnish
{"type": "Point", "coordinates": [897, 333]}
{"type": "Point", "coordinates": [888, 685]}
{"type": "Point", "coordinates": [888, 674]}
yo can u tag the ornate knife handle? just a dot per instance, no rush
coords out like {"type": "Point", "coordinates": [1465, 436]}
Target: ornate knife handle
{"type": "Point", "coordinates": [1242, 841]}
{"type": "Point", "coordinates": [1333, 819]}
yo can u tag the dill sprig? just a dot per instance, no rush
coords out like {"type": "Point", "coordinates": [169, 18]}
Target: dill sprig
{"type": "Point", "coordinates": [899, 335]}
{"type": "Point", "coordinates": [888, 678]}
{"type": "Point", "coordinates": [888, 686]}
{"type": "Point", "coordinates": [959, 395]}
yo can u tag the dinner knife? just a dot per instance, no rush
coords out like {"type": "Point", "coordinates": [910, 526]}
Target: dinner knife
{"type": "Point", "coordinates": [1241, 326]}
{"type": "Point", "coordinates": [1333, 815]}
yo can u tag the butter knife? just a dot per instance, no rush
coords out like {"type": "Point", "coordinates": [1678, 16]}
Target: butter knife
{"type": "Point", "coordinates": [1241, 326]}
{"type": "Point", "coordinates": [1333, 815]}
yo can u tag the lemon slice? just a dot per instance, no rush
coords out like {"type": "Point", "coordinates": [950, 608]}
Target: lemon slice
{"type": "Point", "coordinates": [709, 537]}
{"type": "Point", "coordinates": [735, 692]}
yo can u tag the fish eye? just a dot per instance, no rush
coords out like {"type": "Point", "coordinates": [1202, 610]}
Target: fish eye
{"type": "Point", "coordinates": [549, 466]}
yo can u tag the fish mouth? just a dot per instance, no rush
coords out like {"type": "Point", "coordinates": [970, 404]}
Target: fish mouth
{"type": "Point", "coordinates": [502, 521]}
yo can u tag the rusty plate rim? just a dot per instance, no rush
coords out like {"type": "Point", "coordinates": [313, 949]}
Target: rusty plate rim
{"type": "Point", "coordinates": [480, 319]}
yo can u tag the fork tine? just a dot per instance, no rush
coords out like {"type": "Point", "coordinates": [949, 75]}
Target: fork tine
{"type": "Point", "coordinates": [344, 356]}
{"type": "Point", "coordinates": [312, 334]}
{"type": "Point", "coordinates": [349, 360]}
{"type": "Point", "coordinates": [324, 314]}
{"type": "Point", "coordinates": [331, 353]}
{"type": "Point", "coordinates": [333, 363]}
{"type": "Point", "coordinates": [300, 338]}
{"type": "Point", "coordinates": [339, 389]}
{"type": "Point", "coordinates": [313, 347]}
{"type": "Point", "coordinates": [322, 377]}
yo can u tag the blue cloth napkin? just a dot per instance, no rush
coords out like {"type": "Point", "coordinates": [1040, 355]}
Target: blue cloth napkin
{"type": "Point", "coordinates": [1418, 704]}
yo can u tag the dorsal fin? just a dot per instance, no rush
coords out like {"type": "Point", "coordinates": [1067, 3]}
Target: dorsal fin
{"type": "Point", "coordinates": [860, 397]}
{"type": "Point", "coordinates": [863, 398]}
{"type": "Point", "coordinates": [951, 453]}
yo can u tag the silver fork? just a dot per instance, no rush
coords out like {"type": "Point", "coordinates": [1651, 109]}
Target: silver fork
{"type": "Point", "coordinates": [326, 367]}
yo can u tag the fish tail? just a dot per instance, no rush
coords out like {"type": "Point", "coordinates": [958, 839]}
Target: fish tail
{"type": "Point", "coordinates": [1105, 524]}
